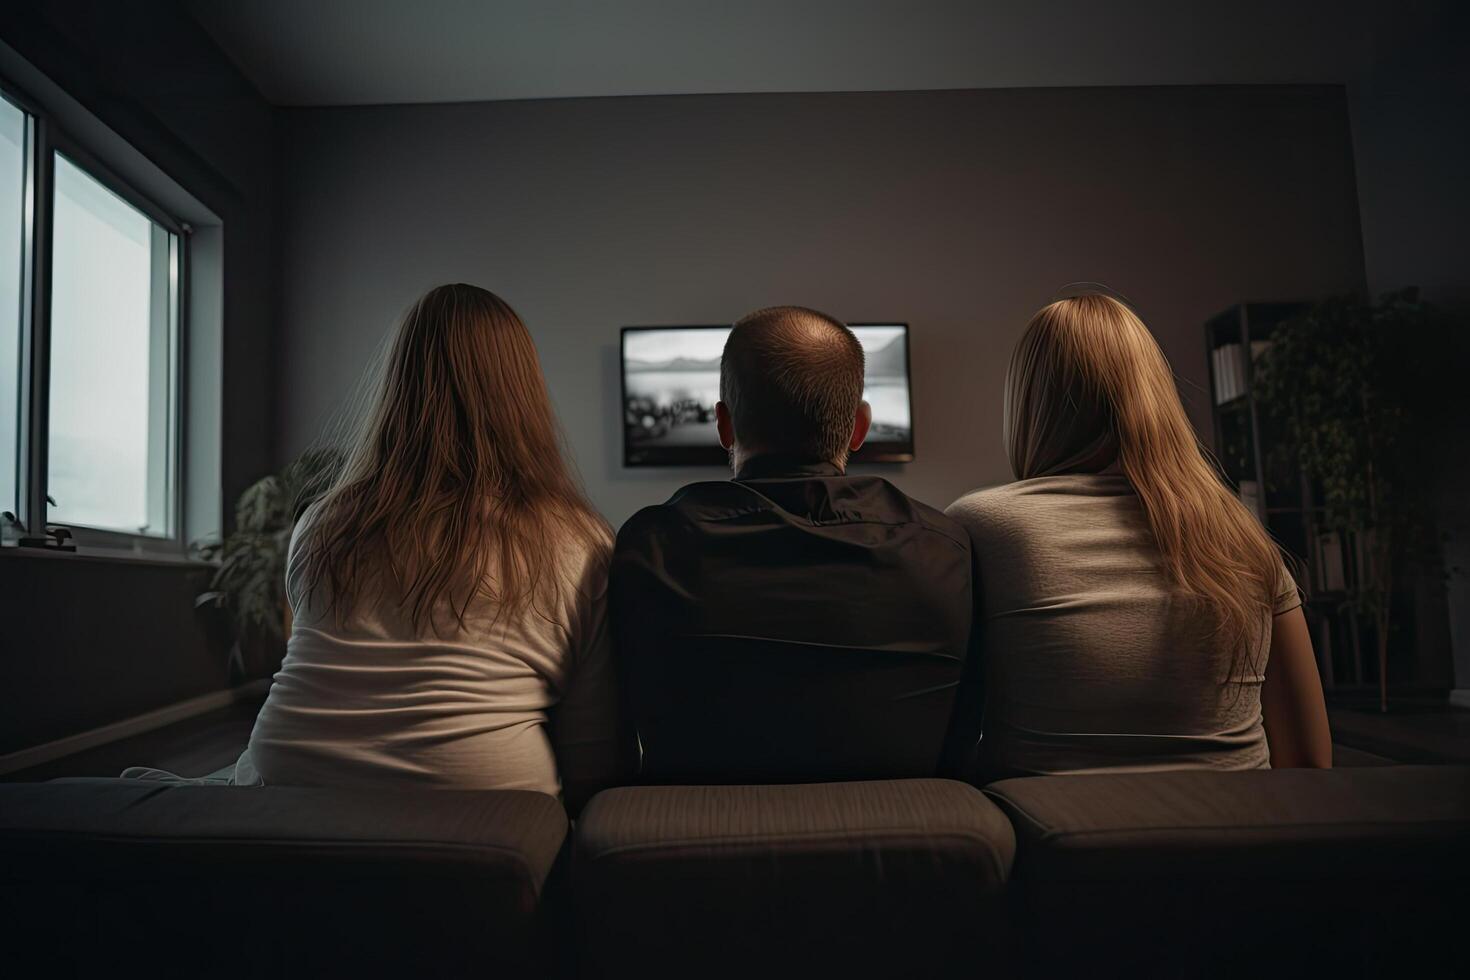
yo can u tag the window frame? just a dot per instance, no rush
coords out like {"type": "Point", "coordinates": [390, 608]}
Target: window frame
{"type": "Point", "coordinates": [45, 140]}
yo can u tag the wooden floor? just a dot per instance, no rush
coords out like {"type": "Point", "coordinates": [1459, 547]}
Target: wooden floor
{"type": "Point", "coordinates": [1425, 731]}
{"type": "Point", "coordinates": [1413, 730]}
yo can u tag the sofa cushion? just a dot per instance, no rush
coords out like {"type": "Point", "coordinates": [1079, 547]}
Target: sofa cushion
{"type": "Point", "coordinates": [1208, 872]}
{"type": "Point", "coordinates": [896, 877]}
{"type": "Point", "coordinates": [275, 879]}
{"type": "Point", "coordinates": [1281, 821]}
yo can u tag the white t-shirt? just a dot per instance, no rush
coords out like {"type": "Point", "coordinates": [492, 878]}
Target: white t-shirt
{"type": "Point", "coordinates": [522, 702]}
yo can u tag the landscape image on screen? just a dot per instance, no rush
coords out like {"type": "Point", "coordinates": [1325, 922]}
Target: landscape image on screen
{"type": "Point", "coordinates": [671, 381]}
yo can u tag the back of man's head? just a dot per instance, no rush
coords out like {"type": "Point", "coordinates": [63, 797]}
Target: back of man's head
{"type": "Point", "coordinates": [792, 379]}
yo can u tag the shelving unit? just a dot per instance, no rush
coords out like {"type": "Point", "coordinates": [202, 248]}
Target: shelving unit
{"type": "Point", "coordinates": [1277, 490]}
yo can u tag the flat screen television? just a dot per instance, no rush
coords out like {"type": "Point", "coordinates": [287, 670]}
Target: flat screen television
{"type": "Point", "coordinates": [671, 381]}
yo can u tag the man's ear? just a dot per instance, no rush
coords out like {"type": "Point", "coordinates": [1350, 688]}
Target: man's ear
{"type": "Point", "coordinates": [860, 424]}
{"type": "Point", "coordinates": [724, 426]}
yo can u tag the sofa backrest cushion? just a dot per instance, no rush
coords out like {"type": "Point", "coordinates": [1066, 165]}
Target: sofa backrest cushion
{"type": "Point", "coordinates": [277, 877]}
{"type": "Point", "coordinates": [1209, 873]}
{"type": "Point", "coordinates": [1307, 814]}
{"type": "Point", "coordinates": [902, 877]}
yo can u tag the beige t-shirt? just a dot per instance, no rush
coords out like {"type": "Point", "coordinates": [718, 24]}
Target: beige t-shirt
{"type": "Point", "coordinates": [1093, 662]}
{"type": "Point", "coordinates": [373, 702]}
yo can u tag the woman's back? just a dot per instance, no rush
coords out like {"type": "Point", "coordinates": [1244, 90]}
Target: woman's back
{"type": "Point", "coordinates": [373, 700]}
{"type": "Point", "coordinates": [1094, 660]}
{"type": "Point", "coordinates": [449, 586]}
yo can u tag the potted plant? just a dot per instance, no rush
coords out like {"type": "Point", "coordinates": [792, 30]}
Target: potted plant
{"type": "Point", "coordinates": [1364, 393]}
{"type": "Point", "coordinates": [249, 584]}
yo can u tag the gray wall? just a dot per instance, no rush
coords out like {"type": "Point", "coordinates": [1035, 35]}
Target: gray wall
{"type": "Point", "coordinates": [960, 212]}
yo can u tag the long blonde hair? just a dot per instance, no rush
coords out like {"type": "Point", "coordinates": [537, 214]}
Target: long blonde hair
{"type": "Point", "coordinates": [456, 486]}
{"type": "Point", "coordinates": [1088, 386]}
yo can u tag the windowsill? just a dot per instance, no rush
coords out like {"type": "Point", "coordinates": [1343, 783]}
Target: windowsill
{"type": "Point", "coordinates": [105, 555]}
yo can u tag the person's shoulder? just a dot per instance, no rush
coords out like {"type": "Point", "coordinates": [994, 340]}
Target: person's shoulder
{"type": "Point", "coordinates": [986, 500]}
{"type": "Point", "coordinates": [997, 508]}
{"type": "Point", "coordinates": [305, 519]}
{"type": "Point", "coordinates": [1045, 502]}
{"type": "Point", "coordinates": [1038, 492]}
{"type": "Point", "coordinates": [933, 520]}
{"type": "Point", "coordinates": [689, 505]}
{"type": "Point", "coordinates": [644, 522]}
{"type": "Point", "coordinates": [586, 540]}
{"type": "Point", "coordinates": [870, 498]}
{"type": "Point", "coordinates": [1287, 595]}
{"type": "Point", "coordinates": [580, 547]}
{"type": "Point", "coordinates": [309, 514]}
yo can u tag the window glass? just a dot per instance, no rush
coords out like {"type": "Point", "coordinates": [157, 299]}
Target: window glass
{"type": "Point", "coordinates": [13, 232]}
{"type": "Point", "coordinates": [113, 317]}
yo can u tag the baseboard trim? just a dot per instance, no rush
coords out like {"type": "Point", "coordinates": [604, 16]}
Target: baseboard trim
{"type": "Point", "coordinates": [37, 755]}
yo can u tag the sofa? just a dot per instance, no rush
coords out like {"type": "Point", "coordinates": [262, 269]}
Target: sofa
{"type": "Point", "coordinates": [1356, 872]}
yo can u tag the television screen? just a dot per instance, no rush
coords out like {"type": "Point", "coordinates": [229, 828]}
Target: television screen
{"type": "Point", "coordinates": [671, 381]}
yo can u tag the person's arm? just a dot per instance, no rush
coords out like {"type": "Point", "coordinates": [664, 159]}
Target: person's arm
{"type": "Point", "coordinates": [962, 744]}
{"type": "Point", "coordinates": [585, 722]}
{"type": "Point", "coordinates": [1292, 705]}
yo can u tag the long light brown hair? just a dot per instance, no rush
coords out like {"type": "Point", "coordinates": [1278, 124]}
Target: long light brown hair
{"type": "Point", "coordinates": [456, 486]}
{"type": "Point", "coordinates": [1088, 386]}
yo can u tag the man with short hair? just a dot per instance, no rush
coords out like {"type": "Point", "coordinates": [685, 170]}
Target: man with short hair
{"type": "Point", "coordinates": [795, 623]}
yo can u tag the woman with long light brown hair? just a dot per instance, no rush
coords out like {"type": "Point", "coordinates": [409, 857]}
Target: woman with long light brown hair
{"type": "Point", "coordinates": [449, 589]}
{"type": "Point", "coordinates": [1136, 616]}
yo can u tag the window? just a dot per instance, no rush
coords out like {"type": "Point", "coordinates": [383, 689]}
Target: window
{"type": "Point", "coordinates": [92, 280]}
{"type": "Point", "coordinates": [14, 233]}
{"type": "Point", "coordinates": [114, 320]}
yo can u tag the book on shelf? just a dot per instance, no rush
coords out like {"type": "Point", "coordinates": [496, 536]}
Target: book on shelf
{"type": "Point", "coordinates": [1228, 363]}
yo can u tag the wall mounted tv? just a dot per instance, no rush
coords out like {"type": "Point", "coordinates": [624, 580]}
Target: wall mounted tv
{"type": "Point", "coordinates": [671, 381]}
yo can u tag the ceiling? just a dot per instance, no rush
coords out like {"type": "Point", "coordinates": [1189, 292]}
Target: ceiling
{"type": "Point", "coordinates": [363, 52]}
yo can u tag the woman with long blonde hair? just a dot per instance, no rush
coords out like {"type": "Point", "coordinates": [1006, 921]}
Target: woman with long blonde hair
{"type": "Point", "coordinates": [449, 588]}
{"type": "Point", "coordinates": [1136, 616]}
